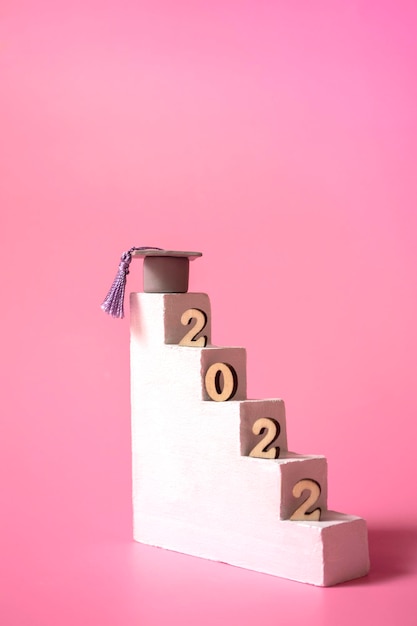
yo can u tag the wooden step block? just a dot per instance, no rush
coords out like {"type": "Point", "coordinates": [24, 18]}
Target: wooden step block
{"type": "Point", "coordinates": [292, 468]}
{"type": "Point", "coordinates": [194, 490]}
{"type": "Point", "coordinates": [209, 372]}
{"type": "Point", "coordinates": [320, 553]}
{"type": "Point", "coordinates": [187, 319]}
{"type": "Point", "coordinates": [179, 373]}
{"type": "Point", "coordinates": [156, 317]}
{"type": "Point", "coordinates": [253, 430]}
{"type": "Point", "coordinates": [187, 464]}
{"type": "Point", "coordinates": [223, 374]}
{"type": "Point", "coordinates": [187, 468]}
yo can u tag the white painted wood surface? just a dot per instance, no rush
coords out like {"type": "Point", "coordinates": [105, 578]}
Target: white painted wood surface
{"type": "Point", "coordinates": [194, 491]}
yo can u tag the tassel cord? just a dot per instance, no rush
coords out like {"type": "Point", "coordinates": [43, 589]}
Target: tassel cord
{"type": "Point", "coordinates": [113, 302]}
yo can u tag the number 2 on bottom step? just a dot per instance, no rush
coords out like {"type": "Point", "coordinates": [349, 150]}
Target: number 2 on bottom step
{"type": "Point", "coordinates": [301, 514]}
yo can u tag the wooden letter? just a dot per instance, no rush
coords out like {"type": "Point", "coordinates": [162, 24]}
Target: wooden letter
{"type": "Point", "coordinates": [262, 450]}
{"type": "Point", "coordinates": [189, 338]}
{"type": "Point", "coordinates": [301, 514]}
{"type": "Point", "coordinates": [214, 388]}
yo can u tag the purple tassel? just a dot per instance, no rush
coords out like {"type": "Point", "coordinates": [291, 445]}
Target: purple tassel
{"type": "Point", "coordinates": [113, 302]}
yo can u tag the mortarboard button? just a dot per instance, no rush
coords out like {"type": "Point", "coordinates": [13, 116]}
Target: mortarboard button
{"type": "Point", "coordinates": [165, 271]}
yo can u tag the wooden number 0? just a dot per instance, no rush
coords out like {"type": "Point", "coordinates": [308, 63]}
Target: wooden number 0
{"type": "Point", "coordinates": [272, 429]}
{"type": "Point", "coordinates": [301, 514]}
{"type": "Point", "coordinates": [215, 389]}
{"type": "Point", "coordinates": [189, 338]}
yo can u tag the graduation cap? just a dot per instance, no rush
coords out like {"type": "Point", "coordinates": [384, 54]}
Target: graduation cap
{"type": "Point", "coordinates": [164, 271]}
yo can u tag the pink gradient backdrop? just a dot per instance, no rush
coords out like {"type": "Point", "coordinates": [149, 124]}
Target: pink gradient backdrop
{"type": "Point", "coordinates": [280, 138]}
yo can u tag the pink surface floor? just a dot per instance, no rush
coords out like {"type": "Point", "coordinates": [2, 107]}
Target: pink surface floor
{"type": "Point", "coordinates": [280, 139]}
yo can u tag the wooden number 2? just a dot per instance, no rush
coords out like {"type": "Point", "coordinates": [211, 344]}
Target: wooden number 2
{"type": "Point", "coordinates": [272, 429]}
{"type": "Point", "coordinates": [215, 389]}
{"type": "Point", "coordinates": [189, 338]}
{"type": "Point", "coordinates": [314, 489]}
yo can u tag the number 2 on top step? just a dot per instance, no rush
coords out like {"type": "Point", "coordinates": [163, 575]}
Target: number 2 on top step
{"type": "Point", "coordinates": [190, 338]}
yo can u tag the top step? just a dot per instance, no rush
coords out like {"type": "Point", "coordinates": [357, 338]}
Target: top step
{"type": "Point", "coordinates": [175, 318]}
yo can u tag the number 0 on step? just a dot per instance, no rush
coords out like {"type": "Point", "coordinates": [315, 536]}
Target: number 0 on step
{"type": "Point", "coordinates": [221, 382]}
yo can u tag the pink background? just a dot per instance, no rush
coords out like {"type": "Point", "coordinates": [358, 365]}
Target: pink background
{"type": "Point", "coordinates": [280, 139]}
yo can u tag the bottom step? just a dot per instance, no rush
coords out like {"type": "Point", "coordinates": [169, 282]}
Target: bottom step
{"type": "Point", "coordinates": [324, 553]}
